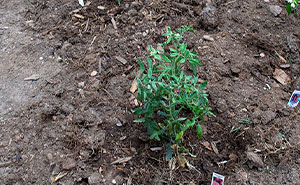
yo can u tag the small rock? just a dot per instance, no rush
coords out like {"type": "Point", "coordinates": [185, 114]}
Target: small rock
{"type": "Point", "coordinates": [255, 158]}
{"type": "Point", "coordinates": [298, 161]}
{"type": "Point", "coordinates": [267, 116]}
{"type": "Point", "coordinates": [101, 7]}
{"type": "Point", "coordinates": [94, 73]}
{"type": "Point", "coordinates": [221, 105]}
{"type": "Point", "coordinates": [235, 70]}
{"type": "Point", "coordinates": [68, 164]}
{"type": "Point", "coordinates": [95, 179]}
{"type": "Point", "coordinates": [49, 156]}
{"type": "Point", "coordinates": [122, 60]}
{"type": "Point", "coordinates": [114, 181]}
{"type": "Point", "coordinates": [81, 84]}
{"type": "Point", "coordinates": [96, 84]}
{"type": "Point", "coordinates": [208, 38]}
{"type": "Point", "coordinates": [285, 66]}
{"type": "Point", "coordinates": [275, 10]}
{"type": "Point", "coordinates": [59, 59]}
{"type": "Point", "coordinates": [41, 58]}
{"type": "Point", "coordinates": [208, 18]}
{"type": "Point", "coordinates": [262, 55]}
{"type": "Point", "coordinates": [119, 124]}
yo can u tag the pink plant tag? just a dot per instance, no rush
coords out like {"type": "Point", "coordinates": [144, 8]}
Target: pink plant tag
{"type": "Point", "coordinates": [217, 179]}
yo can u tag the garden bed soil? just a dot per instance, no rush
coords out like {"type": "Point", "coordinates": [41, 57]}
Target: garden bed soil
{"type": "Point", "coordinates": [80, 122]}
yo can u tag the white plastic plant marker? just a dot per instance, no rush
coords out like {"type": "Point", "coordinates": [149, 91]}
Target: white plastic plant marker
{"type": "Point", "coordinates": [294, 100]}
{"type": "Point", "coordinates": [217, 179]}
{"type": "Point", "coordinates": [81, 2]}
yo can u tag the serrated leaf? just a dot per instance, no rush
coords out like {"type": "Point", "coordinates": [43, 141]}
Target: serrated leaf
{"type": "Point", "coordinates": [199, 131]}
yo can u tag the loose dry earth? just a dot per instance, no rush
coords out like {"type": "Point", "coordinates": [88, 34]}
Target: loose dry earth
{"type": "Point", "coordinates": [67, 124]}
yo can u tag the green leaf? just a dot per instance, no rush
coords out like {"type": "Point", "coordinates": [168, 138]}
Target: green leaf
{"type": "Point", "coordinates": [199, 131]}
{"type": "Point", "coordinates": [169, 152]}
{"type": "Point", "coordinates": [288, 8]}
{"type": "Point", "coordinates": [166, 58]}
{"type": "Point", "coordinates": [139, 120]}
{"type": "Point", "coordinates": [203, 85]}
{"type": "Point", "coordinates": [149, 61]}
{"type": "Point", "coordinates": [181, 119]}
{"type": "Point", "coordinates": [173, 50]}
{"type": "Point", "coordinates": [182, 60]}
{"type": "Point", "coordinates": [142, 67]}
{"type": "Point", "coordinates": [179, 135]}
{"type": "Point", "coordinates": [138, 111]}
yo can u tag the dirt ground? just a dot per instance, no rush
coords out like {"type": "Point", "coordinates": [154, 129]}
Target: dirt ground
{"type": "Point", "coordinates": [62, 122]}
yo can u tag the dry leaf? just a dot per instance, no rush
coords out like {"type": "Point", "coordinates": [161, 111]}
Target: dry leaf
{"type": "Point", "coordinates": [207, 145]}
{"type": "Point", "coordinates": [78, 16]}
{"type": "Point", "coordinates": [134, 86]}
{"type": "Point", "coordinates": [181, 161]}
{"type": "Point", "coordinates": [59, 176]}
{"type": "Point", "coordinates": [122, 160]}
{"type": "Point", "coordinates": [281, 76]}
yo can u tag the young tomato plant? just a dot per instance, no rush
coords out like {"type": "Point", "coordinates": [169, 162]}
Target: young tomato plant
{"type": "Point", "coordinates": [291, 6]}
{"type": "Point", "coordinates": [167, 93]}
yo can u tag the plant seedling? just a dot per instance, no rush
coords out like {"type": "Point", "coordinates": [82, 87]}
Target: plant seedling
{"type": "Point", "coordinates": [172, 102]}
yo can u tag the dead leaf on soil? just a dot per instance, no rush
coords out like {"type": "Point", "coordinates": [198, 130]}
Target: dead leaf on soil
{"type": "Point", "coordinates": [281, 76]}
{"type": "Point", "coordinates": [78, 16]}
{"type": "Point", "coordinates": [122, 160]}
{"type": "Point", "coordinates": [206, 145]}
{"type": "Point", "coordinates": [134, 84]}
{"type": "Point", "coordinates": [181, 161]}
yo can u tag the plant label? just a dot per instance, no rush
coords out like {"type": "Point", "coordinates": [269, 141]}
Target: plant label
{"type": "Point", "coordinates": [217, 179]}
{"type": "Point", "coordinates": [294, 100]}
{"type": "Point", "coordinates": [81, 2]}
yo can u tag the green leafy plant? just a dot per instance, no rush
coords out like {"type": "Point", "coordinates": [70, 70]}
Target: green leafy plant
{"type": "Point", "coordinates": [119, 2]}
{"type": "Point", "coordinates": [172, 102]}
{"type": "Point", "coordinates": [291, 6]}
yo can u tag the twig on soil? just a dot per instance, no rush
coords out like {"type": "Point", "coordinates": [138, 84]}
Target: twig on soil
{"type": "Point", "coordinates": [87, 25]}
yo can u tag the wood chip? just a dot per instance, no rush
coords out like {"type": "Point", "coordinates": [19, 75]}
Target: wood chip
{"type": "Point", "coordinates": [206, 145]}
{"type": "Point", "coordinates": [78, 16]}
{"type": "Point", "coordinates": [281, 76]}
{"type": "Point", "coordinates": [34, 77]}
{"type": "Point", "coordinates": [214, 147]}
{"type": "Point", "coordinates": [122, 160]}
{"type": "Point", "coordinates": [281, 58]}
{"type": "Point", "coordinates": [121, 59]}
{"type": "Point", "coordinates": [114, 23]}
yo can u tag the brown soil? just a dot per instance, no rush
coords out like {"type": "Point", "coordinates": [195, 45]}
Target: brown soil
{"type": "Point", "coordinates": [65, 122]}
